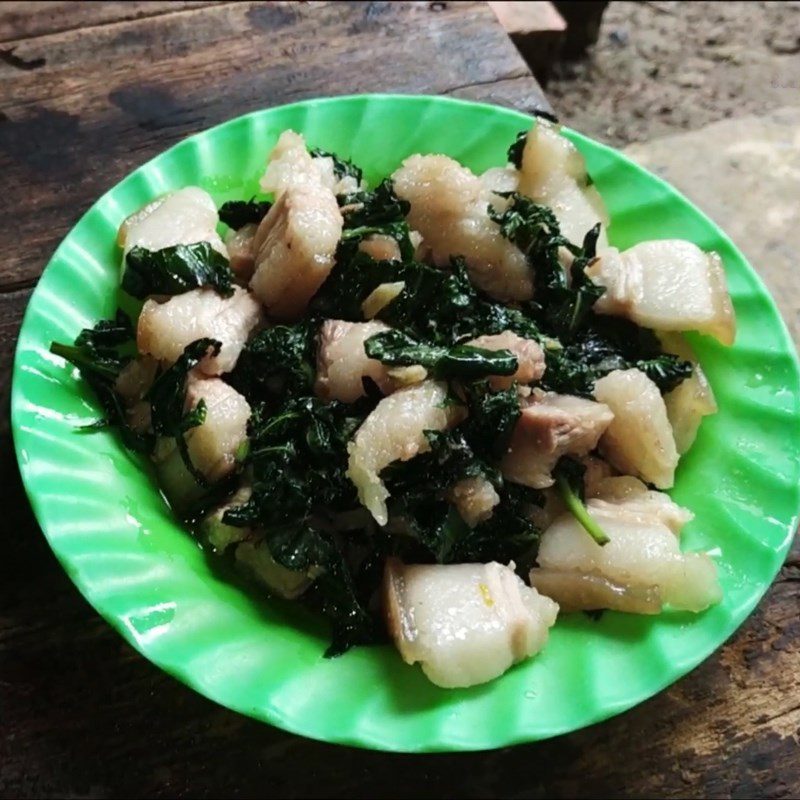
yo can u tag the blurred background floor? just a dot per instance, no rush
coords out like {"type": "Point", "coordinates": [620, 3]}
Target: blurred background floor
{"type": "Point", "coordinates": [663, 67]}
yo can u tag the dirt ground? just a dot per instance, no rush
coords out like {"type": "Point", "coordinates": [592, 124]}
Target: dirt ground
{"type": "Point", "coordinates": [664, 67]}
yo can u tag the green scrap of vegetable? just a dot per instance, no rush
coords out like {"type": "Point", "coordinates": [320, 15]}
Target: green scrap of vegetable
{"type": "Point", "coordinates": [378, 206]}
{"type": "Point", "coordinates": [607, 344]}
{"type": "Point", "coordinates": [491, 420]}
{"type": "Point", "coordinates": [569, 479]}
{"type": "Point", "coordinates": [108, 334]}
{"type": "Point", "coordinates": [418, 496]}
{"type": "Point", "coordinates": [378, 211]}
{"type": "Point", "coordinates": [175, 270]}
{"type": "Point", "coordinates": [594, 345]}
{"type": "Point", "coordinates": [564, 303]}
{"type": "Point", "coordinates": [516, 149]}
{"type": "Point", "coordinates": [437, 305]}
{"type": "Point", "coordinates": [337, 591]}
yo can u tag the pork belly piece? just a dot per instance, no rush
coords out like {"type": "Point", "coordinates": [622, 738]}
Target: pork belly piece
{"type": "Point", "coordinates": [640, 569]}
{"type": "Point", "coordinates": [294, 249]}
{"type": "Point", "coordinates": [342, 361]}
{"type": "Point", "coordinates": [465, 623]}
{"type": "Point", "coordinates": [553, 173]}
{"type": "Point", "coordinates": [213, 446]}
{"type": "Point", "coordinates": [186, 216]}
{"type": "Point", "coordinates": [691, 400]}
{"type": "Point", "coordinates": [667, 284]}
{"type": "Point", "coordinates": [449, 208]}
{"type": "Point", "coordinates": [639, 441]}
{"type": "Point", "coordinates": [394, 431]}
{"type": "Point", "coordinates": [165, 329]}
{"type": "Point", "coordinates": [529, 353]}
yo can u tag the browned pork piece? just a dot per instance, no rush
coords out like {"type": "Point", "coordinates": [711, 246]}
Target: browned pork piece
{"type": "Point", "coordinates": [551, 426]}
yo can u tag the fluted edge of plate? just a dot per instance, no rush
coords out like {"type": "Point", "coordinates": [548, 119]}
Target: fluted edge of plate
{"type": "Point", "coordinates": [148, 579]}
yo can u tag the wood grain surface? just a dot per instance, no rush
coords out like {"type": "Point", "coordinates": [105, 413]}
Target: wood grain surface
{"type": "Point", "coordinates": [89, 94]}
{"type": "Point", "coordinates": [23, 20]}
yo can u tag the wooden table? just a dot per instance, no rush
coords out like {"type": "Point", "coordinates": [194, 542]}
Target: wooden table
{"type": "Point", "coordinates": [90, 91]}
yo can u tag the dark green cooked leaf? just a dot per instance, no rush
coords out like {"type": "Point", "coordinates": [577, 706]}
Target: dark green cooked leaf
{"type": "Point", "coordinates": [438, 305]}
{"type": "Point", "coordinates": [509, 534]}
{"type": "Point", "coordinates": [338, 591]}
{"type": "Point", "coordinates": [175, 270]}
{"type": "Point", "coordinates": [610, 343]}
{"type": "Point", "coordinates": [375, 207]}
{"type": "Point", "coordinates": [277, 361]}
{"type": "Point", "coordinates": [167, 397]}
{"type": "Point", "coordinates": [100, 354]}
{"type": "Point", "coordinates": [516, 149]}
{"type": "Point", "coordinates": [460, 361]}
{"type": "Point", "coordinates": [341, 166]}
{"type": "Point", "coordinates": [298, 463]}
{"type": "Point", "coordinates": [564, 304]}
{"type": "Point", "coordinates": [238, 213]}
{"type": "Point", "coordinates": [491, 421]}
{"type": "Point", "coordinates": [107, 334]}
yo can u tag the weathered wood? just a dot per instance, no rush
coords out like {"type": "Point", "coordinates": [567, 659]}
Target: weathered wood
{"type": "Point", "coordinates": [108, 98]}
{"type": "Point", "coordinates": [12, 308]}
{"type": "Point", "coordinates": [26, 19]}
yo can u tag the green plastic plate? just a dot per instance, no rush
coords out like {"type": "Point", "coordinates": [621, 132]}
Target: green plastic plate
{"type": "Point", "coordinates": [115, 536]}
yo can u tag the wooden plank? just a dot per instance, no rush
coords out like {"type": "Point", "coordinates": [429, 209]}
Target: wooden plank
{"type": "Point", "coordinates": [12, 308]}
{"type": "Point", "coordinates": [106, 99]}
{"type": "Point", "coordinates": [27, 19]}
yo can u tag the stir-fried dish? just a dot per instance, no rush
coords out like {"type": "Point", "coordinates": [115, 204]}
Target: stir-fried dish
{"type": "Point", "coordinates": [439, 410]}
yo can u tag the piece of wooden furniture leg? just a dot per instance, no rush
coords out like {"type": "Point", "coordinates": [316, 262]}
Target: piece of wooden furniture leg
{"type": "Point", "coordinates": [537, 30]}
{"type": "Point", "coordinates": [583, 25]}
